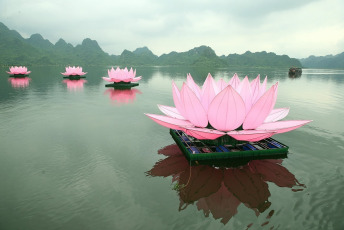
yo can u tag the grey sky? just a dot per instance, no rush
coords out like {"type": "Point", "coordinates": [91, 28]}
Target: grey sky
{"type": "Point", "coordinates": [298, 28]}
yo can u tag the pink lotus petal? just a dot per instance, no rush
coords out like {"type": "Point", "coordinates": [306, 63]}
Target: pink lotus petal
{"type": "Point", "coordinates": [193, 86]}
{"type": "Point", "coordinates": [263, 87]}
{"type": "Point", "coordinates": [171, 112]}
{"type": "Point", "coordinates": [126, 79]}
{"type": "Point", "coordinates": [282, 126]}
{"type": "Point", "coordinates": [108, 79]}
{"type": "Point", "coordinates": [204, 133]}
{"type": "Point", "coordinates": [250, 135]}
{"type": "Point", "coordinates": [235, 81]}
{"type": "Point", "coordinates": [193, 108]}
{"type": "Point", "coordinates": [276, 115]}
{"type": "Point", "coordinates": [255, 87]}
{"type": "Point", "coordinates": [227, 110]}
{"type": "Point", "coordinates": [177, 100]}
{"type": "Point", "coordinates": [170, 122]}
{"type": "Point", "coordinates": [136, 79]}
{"type": "Point", "coordinates": [244, 89]}
{"type": "Point", "coordinates": [209, 91]}
{"type": "Point", "coordinates": [221, 84]}
{"type": "Point", "coordinates": [260, 110]}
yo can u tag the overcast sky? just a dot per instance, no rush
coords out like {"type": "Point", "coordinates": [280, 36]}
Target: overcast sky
{"type": "Point", "coordinates": [298, 28]}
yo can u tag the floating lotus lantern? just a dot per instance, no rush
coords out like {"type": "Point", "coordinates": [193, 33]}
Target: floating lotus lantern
{"type": "Point", "coordinates": [241, 110]}
{"type": "Point", "coordinates": [20, 71]}
{"type": "Point", "coordinates": [122, 78]}
{"type": "Point", "coordinates": [74, 73]}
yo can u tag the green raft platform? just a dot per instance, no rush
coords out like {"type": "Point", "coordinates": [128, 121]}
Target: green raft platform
{"type": "Point", "coordinates": [122, 85]}
{"type": "Point", "coordinates": [19, 75]}
{"type": "Point", "coordinates": [74, 77]}
{"type": "Point", "coordinates": [227, 149]}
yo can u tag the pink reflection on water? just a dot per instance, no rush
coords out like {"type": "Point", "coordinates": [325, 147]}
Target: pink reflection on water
{"type": "Point", "coordinates": [122, 96]}
{"type": "Point", "coordinates": [74, 85]}
{"type": "Point", "coordinates": [19, 82]}
{"type": "Point", "coordinates": [220, 191]}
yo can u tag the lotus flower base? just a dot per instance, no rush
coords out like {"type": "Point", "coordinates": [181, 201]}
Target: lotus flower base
{"type": "Point", "coordinates": [226, 148]}
{"type": "Point", "coordinates": [122, 85]}
{"type": "Point", "coordinates": [74, 77]}
{"type": "Point", "coordinates": [19, 75]}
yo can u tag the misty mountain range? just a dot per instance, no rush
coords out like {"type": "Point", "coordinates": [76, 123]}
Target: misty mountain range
{"type": "Point", "coordinates": [16, 50]}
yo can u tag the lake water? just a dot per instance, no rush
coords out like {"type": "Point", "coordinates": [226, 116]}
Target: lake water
{"type": "Point", "coordinates": [82, 156]}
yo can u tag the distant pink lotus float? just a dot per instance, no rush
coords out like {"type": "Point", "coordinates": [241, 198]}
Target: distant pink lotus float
{"type": "Point", "coordinates": [19, 70]}
{"type": "Point", "coordinates": [122, 75]}
{"type": "Point", "coordinates": [241, 109]}
{"type": "Point", "coordinates": [73, 71]}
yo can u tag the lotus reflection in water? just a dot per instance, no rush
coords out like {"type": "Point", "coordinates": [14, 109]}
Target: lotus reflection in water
{"type": "Point", "coordinates": [19, 82]}
{"type": "Point", "coordinates": [220, 191]}
{"type": "Point", "coordinates": [243, 110]}
{"type": "Point", "coordinates": [122, 96]}
{"type": "Point", "coordinates": [75, 85]}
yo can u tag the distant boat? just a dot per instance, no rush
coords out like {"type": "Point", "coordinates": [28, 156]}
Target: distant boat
{"type": "Point", "coordinates": [295, 72]}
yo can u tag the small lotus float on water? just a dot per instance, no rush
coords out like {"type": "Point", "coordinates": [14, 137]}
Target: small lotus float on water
{"type": "Point", "coordinates": [226, 119]}
{"type": "Point", "coordinates": [74, 73]}
{"type": "Point", "coordinates": [18, 71]}
{"type": "Point", "coordinates": [122, 78]}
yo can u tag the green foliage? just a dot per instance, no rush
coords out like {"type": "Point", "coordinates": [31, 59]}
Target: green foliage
{"type": "Point", "coordinates": [261, 59]}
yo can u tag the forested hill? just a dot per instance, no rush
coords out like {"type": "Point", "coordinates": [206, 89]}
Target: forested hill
{"type": "Point", "coordinates": [324, 62]}
{"type": "Point", "coordinates": [35, 50]}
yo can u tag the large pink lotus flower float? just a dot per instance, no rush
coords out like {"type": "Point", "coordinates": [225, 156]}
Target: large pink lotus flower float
{"type": "Point", "coordinates": [73, 71]}
{"type": "Point", "coordinates": [243, 110]}
{"type": "Point", "coordinates": [22, 70]}
{"type": "Point", "coordinates": [122, 75]}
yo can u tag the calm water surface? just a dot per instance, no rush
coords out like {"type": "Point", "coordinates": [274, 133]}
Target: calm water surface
{"type": "Point", "coordinates": [77, 155]}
